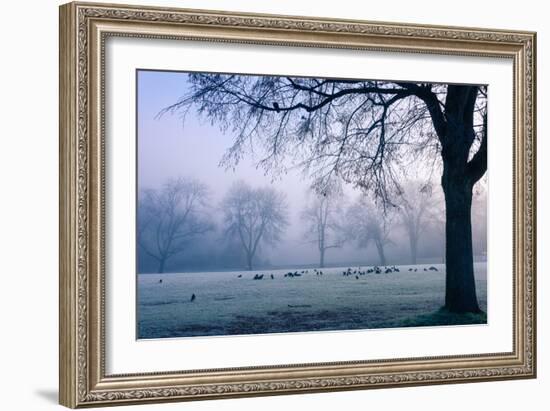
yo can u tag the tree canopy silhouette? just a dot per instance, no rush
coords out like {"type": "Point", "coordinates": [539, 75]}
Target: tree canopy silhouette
{"type": "Point", "coordinates": [171, 217]}
{"type": "Point", "coordinates": [254, 216]}
{"type": "Point", "coordinates": [323, 218]}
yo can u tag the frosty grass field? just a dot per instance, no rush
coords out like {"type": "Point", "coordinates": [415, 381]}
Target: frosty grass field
{"type": "Point", "coordinates": [225, 304]}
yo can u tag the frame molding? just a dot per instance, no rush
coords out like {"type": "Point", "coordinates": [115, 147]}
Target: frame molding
{"type": "Point", "coordinates": [83, 30]}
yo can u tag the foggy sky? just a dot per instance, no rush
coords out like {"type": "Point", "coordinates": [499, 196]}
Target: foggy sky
{"type": "Point", "coordinates": [167, 148]}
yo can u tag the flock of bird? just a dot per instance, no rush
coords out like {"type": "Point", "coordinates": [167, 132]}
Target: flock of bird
{"type": "Point", "coordinates": [346, 273]}
{"type": "Point", "coordinates": [432, 268]}
{"type": "Point", "coordinates": [349, 272]}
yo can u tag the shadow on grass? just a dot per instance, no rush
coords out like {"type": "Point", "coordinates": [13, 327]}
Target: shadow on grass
{"type": "Point", "coordinates": [444, 317]}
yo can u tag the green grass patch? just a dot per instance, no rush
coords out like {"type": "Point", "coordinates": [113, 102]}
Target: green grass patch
{"type": "Point", "coordinates": [444, 317]}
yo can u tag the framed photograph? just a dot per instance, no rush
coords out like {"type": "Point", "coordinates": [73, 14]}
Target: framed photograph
{"type": "Point", "coordinates": [259, 204]}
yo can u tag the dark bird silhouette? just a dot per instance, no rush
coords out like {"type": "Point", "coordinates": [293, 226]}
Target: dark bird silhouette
{"type": "Point", "coordinates": [239, 276]}
{"type": "Point", "coordinates": [160, 281]}
{"type": "Point", "coordinates": [272, 276]}
{"type": "Point", "coordinates": [193, 297]}
{"type": "Point", "coordinates": [276, 107]}
{"type": "Point", "coordinates": [432, 268]}
{"type": "Point", "coordinates": [357, 277]}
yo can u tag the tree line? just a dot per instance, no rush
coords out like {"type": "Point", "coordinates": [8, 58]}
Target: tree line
{"type": "Point", "coordinates": [179, 215]}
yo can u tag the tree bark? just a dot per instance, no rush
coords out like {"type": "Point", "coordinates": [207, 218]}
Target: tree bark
{"type": "Point", "coordinates": [460, 289]}
{"type": "Point", "coordinates": [322, 258]}
{"type": "Point", "coordinates": [458, 179]}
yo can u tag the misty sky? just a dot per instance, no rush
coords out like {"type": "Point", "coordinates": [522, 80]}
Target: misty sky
{"type": "Point", "coordinates": [167, 148]}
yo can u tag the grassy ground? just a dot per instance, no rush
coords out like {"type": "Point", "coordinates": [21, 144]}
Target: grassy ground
{"type": "Point", "coordinates": [444, 317]}
{"type": "Point", "coordinates": [233, 303]}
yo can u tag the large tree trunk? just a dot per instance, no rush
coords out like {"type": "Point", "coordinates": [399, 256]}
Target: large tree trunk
{"type": "Point", "coordinates": [322, 258]}
{"type": "Point", "coordinates": [460, 289]}
{"type": "Point", "coordinates": [459, 176]}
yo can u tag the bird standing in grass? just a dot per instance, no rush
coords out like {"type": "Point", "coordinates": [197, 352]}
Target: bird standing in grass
{"type": "Point", "coordinates": [193, 297]}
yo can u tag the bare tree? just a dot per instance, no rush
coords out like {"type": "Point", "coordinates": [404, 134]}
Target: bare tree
{"type": "Point", "coordinates": [171, 217]}
{"type": "Point", "coordinates": [363, 132]}
{"type": "Point", "coordinates": [254, 216]}
{"type": "Point", "coordinates": [479, 219]}
{"type": "Point", "coordinates": [324, 220]}
{"type": "Point", "coordinates": [368, 223]}
{"type": "Point", "coordinates": [415, 206]}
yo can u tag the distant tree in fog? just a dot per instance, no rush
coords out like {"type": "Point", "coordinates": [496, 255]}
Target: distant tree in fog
{"type": "Point", "coordinates": [171, 217]}
{"type": "Point", "coordinates": [324, 221]}
{"type": "Point", "coordinates": [255, 216]}
{"type": "Point", "coordinates": [415, 206]}
{"type": "Point", "coordinates": [368, 223]}
{"type": "Point", "coordinates": [479, 219]}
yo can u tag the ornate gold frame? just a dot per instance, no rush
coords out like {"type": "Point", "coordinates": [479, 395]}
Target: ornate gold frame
{"type": "Point", "coordinates": [83, 30]}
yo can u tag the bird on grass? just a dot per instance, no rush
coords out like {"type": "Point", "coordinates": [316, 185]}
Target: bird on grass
{"type": "Point", "coordinates": [160, 281]}
{"type": "Point", "coordinates": [272, 276]}
{"type": "Point", "coordinates": [193, 297]}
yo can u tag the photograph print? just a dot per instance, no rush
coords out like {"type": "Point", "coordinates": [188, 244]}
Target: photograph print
{"type": "Point", "coordinates": [280, 204]}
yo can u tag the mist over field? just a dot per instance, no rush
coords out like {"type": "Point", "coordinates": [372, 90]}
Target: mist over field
{"type": "Point", "coordinates": [226, 304]}
{"type": "Point", "coordinates": [271, 204]}
{"type": "Point", "coordinates": [169, 148]}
